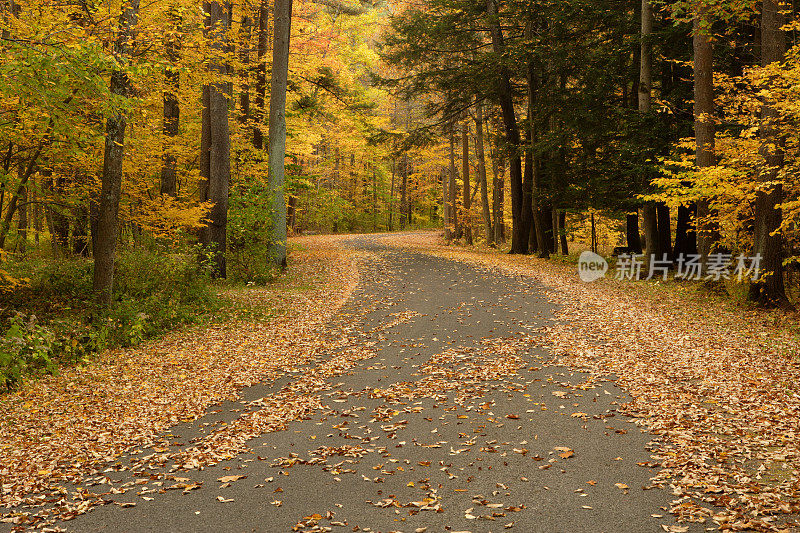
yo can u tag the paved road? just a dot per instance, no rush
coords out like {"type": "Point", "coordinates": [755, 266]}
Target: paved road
{"type": "Point", "coordinates": [417, 437]}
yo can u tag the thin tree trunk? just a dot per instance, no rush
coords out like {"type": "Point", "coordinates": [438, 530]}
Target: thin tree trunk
{"type": "Point", "coordinates": [404, 191]}
{"type": "Point", "coordinates": [519, 240]}
{"type": "Point", "coordinates": [452, 190]}
{"type": "Point", "coordinates": [107, 208]}
{"type": "Point", "coordinates": [172, 110]}
{"type": "Point", "coordinates": [481, 155]}
{"type": "Point", "coordinates": [277, 129]}
{"type": "Point", "coordinates": [467, 223]}
{"type": "Point", "coordinates": [664, 233]}
{"type": "Point", "coordinates": [215, 142]}
{"type": "Point", "coordinates": [245, 33]}
{"type": "Point", "coordinates": [704, 127]}
{"type": "Point", "coordinates": [769, 289]}
{"type": "Point", "coordinates": [22, 217]}
{"type": "Point", "coordinates": [391, 201]}
{"type": "Point", "coordinates": [261, 74]}
{"type": "Point", "coordinates": [562, 231]}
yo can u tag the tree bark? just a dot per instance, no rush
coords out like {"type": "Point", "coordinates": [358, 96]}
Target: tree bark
{"type": "Point", "coordinates": [650, 223]}
{"type": "Point", "coordinates": [215, 162]}
{"type": "Point", "coordinates": [562, 230]}
{"type": "Point", "coordinates": [467, 223]}
{"type": "Point", "coordinates": [664, 233]}
{"type": "Point", "coordinates": [107, 208]}
{"type": "Point", "coordinates": [452, 199]}
{"type": "Point", "coordinates": [704, 128]}
{"type": "Point", "coordinates": [632, 233]}
{"type": "Point", "coordinates": [685, 236]}
{"type": "Point", "coordinates": [481, 155]}
{"type": "Point", "coordinates": [769, 289]}
{"type": "Point", "coordinates": [245, 33]}
{"type": "Point", "coordinates": [277, 129]}
{"type": "Point", "coordinates": [172, 110]}
{"type": "Point", "coordinates": [519, 239]}
{"type": "Point", "coordinates": [261, 74]}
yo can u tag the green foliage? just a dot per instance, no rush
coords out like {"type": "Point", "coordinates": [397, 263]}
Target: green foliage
{"type": "Point", "coordinates": [53, 320]}
{"type": "Point", "coordinates": [26, 347]}
{"type": "Point", "coordinates": [249, 236]}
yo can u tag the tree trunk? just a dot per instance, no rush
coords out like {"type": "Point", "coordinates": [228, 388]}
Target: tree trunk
{"type": "Point", "coordinates": [245, 33]}
{"type": "Point", "coordinates": [277, 128]}
{"type": "Point", "coordinates": [467, 223]}
{"type": "Point", "coordinates": [704, 127]}
{"type": "Point", "coordinates": [107, 208]}
{"type": "Point", "coordinates": [22, 218]}
{"type": "Point", "coordinates": [404, 191]}
{"type": "Point", "coordinates": [685, 236]}
{"type": "Point", "coordinates": [650, 222]}
{"type": "Point", "coordinates": [632, 233]}
{"type": "Point", "coordinates": [769, 289]}
{"type": "Point", "coordinates": [215, 161]}
{"type": "Point", "coordinates": [519, 239]}
{"type": "Point", "coordinates": [562, 230]}
{"type": "Point", "coordinates": [452, 199]}
{"type": "Point", "coordinates": [391, 202]}
{"type": "Point", "coordinates": [481, 155]}
{"type": "Point", "coordinates": [169, 182]}
{"type": "Point", "coordinates": [261, 74]}
{"type": "Point", "coordinates": [645, 88]}
{"type": "Point", "coordinates": [664, 230]}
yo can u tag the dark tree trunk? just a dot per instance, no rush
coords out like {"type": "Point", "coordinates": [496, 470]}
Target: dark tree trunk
{"type": "Point", "coordinates": [480, 153]}
{"type": "Point", "coordinates": [172, 110]}
{"type": "Point", "coordinates": [650, 222]}
{"type": "Point", "coordinates": [632, 233]}
{"type": "Point", "coordinates": [704, 127]}
{"type": "Point", "coordinates": [562, 228]}
{"type": "Point", "coordinates": [22, 219]}
{"type": "Point", "coordinates": [769, 289]}
{"type": "Point", "coordinates": [664, 231]}
{"type": "Point", "coordinates": [261, 74]}
{"type": "Point", "coordinates": [107, 207]}
{"type": "Point", "coordinates": [467, 223]}
{"type": "Point", "coordinates": [452, 199]}
{"type": "Point", "coordinates": [404, 191]}
{"type": "Point", "coordinates": [215, 161]}
{"type": "Point", "coordinates": [519, 239]}
{"type": "Point", "coordinates": [685, 236]}
{"type": "Point", "coordinates": [245, 33]}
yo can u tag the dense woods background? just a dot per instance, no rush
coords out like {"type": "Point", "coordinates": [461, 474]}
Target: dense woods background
{"type": "Point", "coordinates": [147, 149]}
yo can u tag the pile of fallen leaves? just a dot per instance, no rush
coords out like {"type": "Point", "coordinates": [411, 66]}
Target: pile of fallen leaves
{"type": "Point", "coordinates": [718, 384]}
{"type": "Point", "coordinates": [62, 429]}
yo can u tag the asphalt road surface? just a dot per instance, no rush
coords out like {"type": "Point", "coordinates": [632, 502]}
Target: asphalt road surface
{"type": "Point", "coordinates": [431, 434]}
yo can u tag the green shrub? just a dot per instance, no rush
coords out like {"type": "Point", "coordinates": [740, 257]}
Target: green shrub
{"type": "Point", "coordinates": [26, 347]}
{"type": "Point", "coordinates": [156, 289]}
{"type": "Point", "coordinates": [251, 265]}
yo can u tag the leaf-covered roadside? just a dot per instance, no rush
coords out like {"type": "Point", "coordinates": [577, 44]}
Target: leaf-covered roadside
{"type": "Point", "coordinates": [61, 429]}
{"type": "Point", "coordinates": [720, 389]}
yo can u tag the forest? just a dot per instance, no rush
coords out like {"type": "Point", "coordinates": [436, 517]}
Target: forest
{"type": "Point", "coordinates": [148, 150]}
{"type": "Point", "coordinates": [214, 214]}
